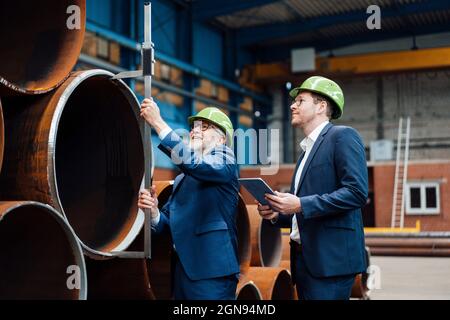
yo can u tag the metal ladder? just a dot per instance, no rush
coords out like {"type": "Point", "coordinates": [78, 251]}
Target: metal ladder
{"type": "Point", "coordinates": [401, 174]}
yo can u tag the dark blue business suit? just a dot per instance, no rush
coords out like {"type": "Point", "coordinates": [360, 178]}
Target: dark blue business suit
{"type": "Point", "coordinates": [333, 188]}
{"type": "Point", "coordinates": [200, 214]}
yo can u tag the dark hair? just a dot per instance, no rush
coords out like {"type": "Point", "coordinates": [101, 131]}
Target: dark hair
{"type": "Point", "coordinates": [331, 109]}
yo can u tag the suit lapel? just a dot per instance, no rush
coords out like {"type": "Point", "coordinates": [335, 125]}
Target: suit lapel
{"type": "Point", "coordinates": [313, 152]}
{"type": "Point", "coordinates": [177, 182]}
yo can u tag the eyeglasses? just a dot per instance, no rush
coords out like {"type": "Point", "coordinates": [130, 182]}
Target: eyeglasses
{"type": "Point", "coordinates": [300, 101]}
{"type": "Point", "coordinates": [202, 125]}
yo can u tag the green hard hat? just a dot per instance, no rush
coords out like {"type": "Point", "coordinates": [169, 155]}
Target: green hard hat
{"type": "Point", "coordinates": [324, 87]}
{"type": "Point", "coordinates": [216, 117]}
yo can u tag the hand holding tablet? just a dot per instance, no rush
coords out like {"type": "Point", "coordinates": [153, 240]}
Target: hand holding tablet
{"type": "Point", "coordinates": [257, 188]}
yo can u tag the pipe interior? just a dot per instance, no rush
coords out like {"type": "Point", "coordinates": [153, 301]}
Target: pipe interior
{"type": "Point", "coordinates": [283, 289]}
{"type": "Point", "coordinates": [270, 244]}
{"type": "Point", "coordinates": [99, 162]}
{"type": "Point", "coordinates": [249, 292]}
{"type": "Point", "coordinates": [48, 49]}
{"type": "Point", "coordinates": [124, 279]}
{"type": "Point", "coordinates": [2, 135]}
{"type": "Point", "coordinates": [35, 253]}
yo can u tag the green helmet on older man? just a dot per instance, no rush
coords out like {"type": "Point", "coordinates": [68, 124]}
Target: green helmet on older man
{"type": "Point", "coordinates": [325, 87]}
{"type": "Point", "coordinates": [218, 118]}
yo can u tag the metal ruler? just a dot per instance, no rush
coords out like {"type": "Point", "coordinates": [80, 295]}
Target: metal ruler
{"type": "Point", "coordinates": [148, 63]}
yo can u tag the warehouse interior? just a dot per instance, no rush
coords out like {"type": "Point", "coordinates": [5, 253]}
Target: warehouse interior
{"type": "Point", "coordinates": [242, 57]}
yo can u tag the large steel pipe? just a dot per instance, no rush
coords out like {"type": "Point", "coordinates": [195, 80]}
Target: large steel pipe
{"type": "Point", "coordinates": [414, 246]}
{"type": "Point", "coordinates": [285, 245]}
{"type": "Point", "coordinates": [360, 287]}
{"type": "Point", "coordinates": [79, 149]}
{"type": "Point", "coordinates": [286, 264]}
{"type": "Point", "coordinates": [40, 257]}
{"type": "Point", "coordinates": [2, 135]}
{"type": "Point", "coordinates": [248, 291]}
{"type": "Point", "coordinates": [159, 268]}
{"type": "Point", "coordinates": [265, 240]}
{"type": "Point", "coordinates": [435, 243]}
{"type": "Point", "coordinates": [416, 252]}
{"type": "Point", "coordinates": [39, 43]}
{"type": "Point", "coordinates": [273, 283]}
{"type": "Point", "coordinates": [118, 279]}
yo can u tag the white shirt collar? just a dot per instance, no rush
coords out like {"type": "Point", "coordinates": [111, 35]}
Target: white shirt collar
{"type": "Point", "coordinates": [312, 137]}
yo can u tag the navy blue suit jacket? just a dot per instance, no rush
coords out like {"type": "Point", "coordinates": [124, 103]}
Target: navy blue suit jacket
{"type": "Point", "coordinates": [333, 189]}
{"type": "Point", "coordinates": [201, 210]}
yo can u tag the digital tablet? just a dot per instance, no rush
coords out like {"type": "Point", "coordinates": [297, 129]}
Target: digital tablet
{"type": "Point", "coordinates": [257, 188]}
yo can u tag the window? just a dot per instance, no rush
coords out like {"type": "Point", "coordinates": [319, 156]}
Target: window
{"type": "Point", "coordinates": [422, 198]}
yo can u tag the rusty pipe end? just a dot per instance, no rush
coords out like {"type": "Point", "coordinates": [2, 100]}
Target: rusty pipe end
{"type": "Point", "coordinates": [2, 135]}
{"type": "Point", "coordinates": [40, 43]}
{"type": "Point", "coordinates": [248, 291]}
{"type": "Point", "coordinates": [39, 254]}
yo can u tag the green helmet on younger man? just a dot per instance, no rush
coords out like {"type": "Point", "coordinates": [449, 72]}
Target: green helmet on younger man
{"type": "Point", "coordinates": [325, 87]}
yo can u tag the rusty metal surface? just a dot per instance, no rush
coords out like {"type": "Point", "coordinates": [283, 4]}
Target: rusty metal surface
{"type": "Point", "coordinates": [286, 264]}
{"type": "Point", "coordinates": [2, 136]}
{"type": "Point", "coordinates": [265, 240]}
{"type": "Point", "coordinates": [36, 249]}
{"type": "Point", "coordinates": [37, 49]}
{"type": "Point", "coordinates": [443, 243]}
{"type": "Point", "coordinates": [248, 291]}
{"type": "Point", "coordinates": [438, 247]}
{"type": "Point", "coordinates": [79, 149]}
{"type": "Point", "coordinates": [359, 288]}
{"type": "Point", "coordinates": [159, 267]}
{"type": "Point", "coordinates": [124, 279]}
{"type": "Point", "coordinates": [286, 247]}
{"type": "Point", "coordinates": [273, 283]}
{"type": "Point", "coordinates": [419, 252]}
{"type": "Point", "coordinates": [243, 234]}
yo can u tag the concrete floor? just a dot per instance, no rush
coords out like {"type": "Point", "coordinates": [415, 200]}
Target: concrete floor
{"type": "Point", "coordinates": [412, 278]}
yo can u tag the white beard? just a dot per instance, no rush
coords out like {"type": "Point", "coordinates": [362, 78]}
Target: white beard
{"type": "Point", "coordinates": [199, 148]}
{"type": "Point", "coordinates": [196, 145]}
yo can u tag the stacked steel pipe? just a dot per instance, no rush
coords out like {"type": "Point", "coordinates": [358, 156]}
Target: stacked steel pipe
{"type": "Point", "coordinates": [360, 288]}
{"type": "Point", "coordinates": [2, 135]}
{"type": "Point", "coordinates": [77, 148]}
{"type": "Point", "coordinates": [39, 44]}
{"type": "Point", "coordinates": [409, 245]}
{"type": "Point", "coordinates": [71, 145]}
{"type": "Point", "coordinates": [38, 252]}
{"type": "Point", "coordinates": [272, 280]}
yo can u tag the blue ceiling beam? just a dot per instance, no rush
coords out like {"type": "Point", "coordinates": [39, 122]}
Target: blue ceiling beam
{"type": "Point", "coordinates": [254, 35]}
{"type": "Point", "coordinates": [207, 9]}
{"type": "Point", "coordinates": [283, 52]}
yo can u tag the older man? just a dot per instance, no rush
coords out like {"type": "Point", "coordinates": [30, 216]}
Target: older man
{"type": "Point", "coordinates": [200, 213]}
